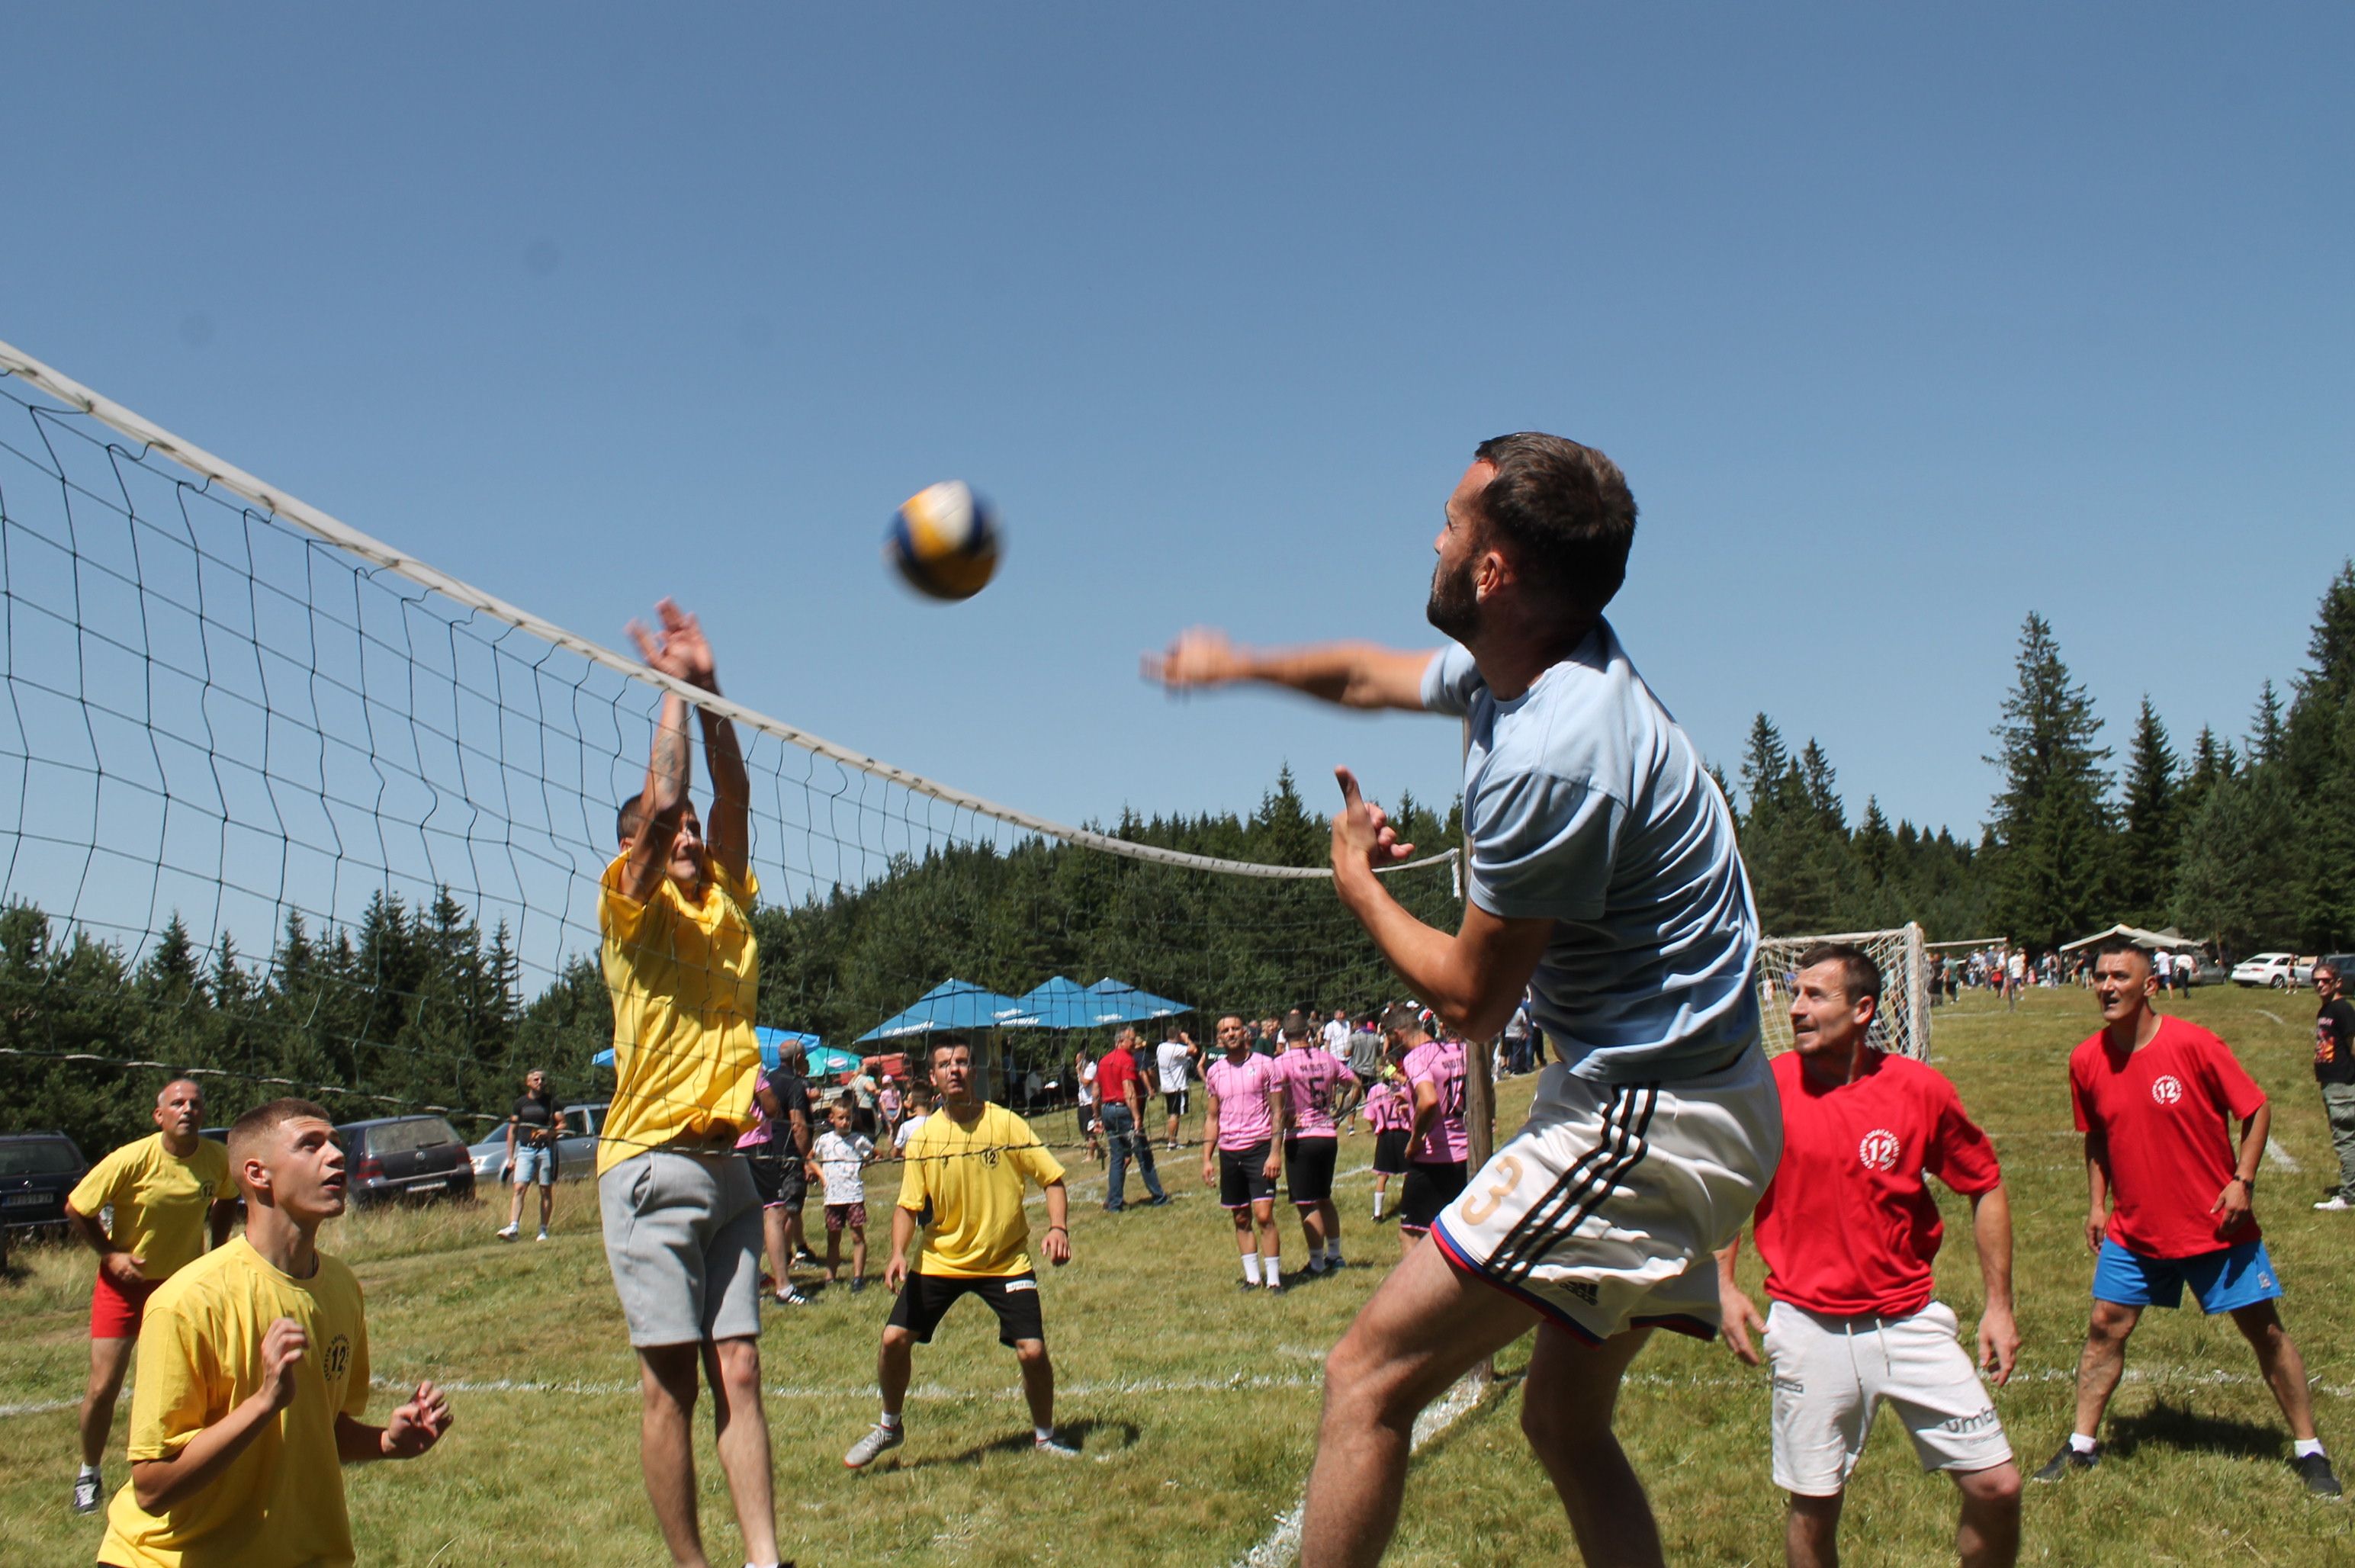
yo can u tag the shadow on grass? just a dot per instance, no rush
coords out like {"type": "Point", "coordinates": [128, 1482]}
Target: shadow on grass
{"type": "Point", "coordinates": [2165, 1425]}
{"type": "Point", "coordinates": [1078, 1433]}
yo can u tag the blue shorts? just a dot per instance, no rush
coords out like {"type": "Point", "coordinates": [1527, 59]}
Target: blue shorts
{"type": "Point", "coordinates": [534, 1164]}
{"type": "Point", "coordinates": [2222, 1280]}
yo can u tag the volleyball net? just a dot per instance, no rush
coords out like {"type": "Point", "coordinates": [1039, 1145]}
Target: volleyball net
{"type": "Point", "coordinates": [286, 807]}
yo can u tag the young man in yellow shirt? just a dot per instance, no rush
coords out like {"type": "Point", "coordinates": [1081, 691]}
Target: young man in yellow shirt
{"type": "Point", "coordinates": [966, 1164]}
{"type": "Point", "coordinates": [682, 1217]}
{"type": "Point", "coordinates": [253, 1373]}
{"type": "Point", "coordinates": [163, 1190]}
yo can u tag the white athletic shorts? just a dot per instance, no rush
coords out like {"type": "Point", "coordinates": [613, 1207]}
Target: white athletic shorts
{"type": "Point", "coordinates": [1607, 1210]}
{"type": "Point", "coordinates": [1831, 1372]}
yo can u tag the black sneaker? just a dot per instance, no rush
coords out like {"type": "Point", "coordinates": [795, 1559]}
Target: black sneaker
{"type": "Point", "coordinates": [86, 1489]}
{"type": "Point", "coordinates": [2314, 1469]}
{"type": "Point", "coordinates": [1159, 1201]}
{"type": "Point", "coordinates": [2068, 1461]}
{"type": "Point", "coordinates": [859, 1285]}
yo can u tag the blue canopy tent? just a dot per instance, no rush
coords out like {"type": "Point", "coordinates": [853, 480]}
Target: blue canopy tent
{"type": "Point", "coordinates": [1123, 1003]}
{"type": "Point", "coordinates": [772, 1042]}
{"type": "Point", "coordinates": [953, 1004]}
{"type": "Point", "coordinates": [1064, 1004]}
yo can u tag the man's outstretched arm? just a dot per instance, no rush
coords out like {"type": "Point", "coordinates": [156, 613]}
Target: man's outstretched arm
{"type": "Point", "coordinates": [682, 650]}
{"type": "Point", "coordinates": [1354, 674]}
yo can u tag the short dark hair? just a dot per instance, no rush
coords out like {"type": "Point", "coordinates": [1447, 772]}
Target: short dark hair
{"type": "Point", "coordinates": [1563, 511]}
{"type": "Point", "coordinates": [2114, 945]}
{"type": "Point", "coordinates": [265, 1119]}
{"type": "Point", "coordinates": [1860, 975]}
{"type": "Point", "coordinates": [627, 821]}
{"type": "Point", "coordinates": [1401, 1017]}
{"type": "Point", "coordinates": [2321, 965]}
{"type": "Point", "coordinates": [941, 1042]}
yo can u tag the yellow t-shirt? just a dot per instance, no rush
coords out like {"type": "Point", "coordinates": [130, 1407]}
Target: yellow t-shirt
{"type": "Point", "coordinates": [280, 1504]}
{"type": "Point", "coordinates": [684, 978]}
{"type": "Point", "coordinates": [973, 1179]}
{"type": "Point", "coordinates": [160, 1200]}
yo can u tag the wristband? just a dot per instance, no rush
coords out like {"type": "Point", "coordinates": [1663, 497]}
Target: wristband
{"type": "Point", "coordinates": [1065, 1229]}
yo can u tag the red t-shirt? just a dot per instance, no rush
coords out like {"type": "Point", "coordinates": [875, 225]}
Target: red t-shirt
{"type": "Point", "coordinates": [1114, 1074]}
{"type": "Point", "coordinates": [2165, 1113]}
{"type": "Point", "coordinates": [1847, 1225]}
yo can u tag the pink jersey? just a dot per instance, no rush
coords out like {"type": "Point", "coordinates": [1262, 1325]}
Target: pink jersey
{"type": "Point", "coordinates": [1312, 1081]}
{"type": "Point", "coordinates": [1240, 1089]}
{"type": "Point", "coordinates": [1440, 1063]}
{"type": "Point", "coordinates": [1387, 1109]}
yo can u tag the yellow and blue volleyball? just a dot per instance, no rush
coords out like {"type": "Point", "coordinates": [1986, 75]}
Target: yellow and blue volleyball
{"type": "Point", "coordinates": [944, 541]}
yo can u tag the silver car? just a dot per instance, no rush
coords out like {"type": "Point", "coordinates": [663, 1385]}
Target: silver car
{"type": "Point", "coordinates": [576, 1151]}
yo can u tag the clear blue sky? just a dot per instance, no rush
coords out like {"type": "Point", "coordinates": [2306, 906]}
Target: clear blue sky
{"type": "Point", "coordinates": [1900, 323]}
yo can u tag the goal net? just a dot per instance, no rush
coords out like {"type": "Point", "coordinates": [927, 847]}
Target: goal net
{"type": "Point", "coordinates": [283, 806]}
{"type": "Point", "coordinates": [1901, 1023]}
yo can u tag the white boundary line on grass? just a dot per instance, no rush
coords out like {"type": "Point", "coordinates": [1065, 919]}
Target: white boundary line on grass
{"type": "Point", "coordinates": [1281, 1545]}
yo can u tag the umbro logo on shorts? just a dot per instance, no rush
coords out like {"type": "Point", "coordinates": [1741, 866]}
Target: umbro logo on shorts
{"type": "Point", "coordinates": [1013, 1284]}
{"type": "Point", "coordinates": [2166, 1089]}
{"type": "Point", "coordinates": [1879, 1149]}
{"type": "Point", "coordinates": [1962, 1424]}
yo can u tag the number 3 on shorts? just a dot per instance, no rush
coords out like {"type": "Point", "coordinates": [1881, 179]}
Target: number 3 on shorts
{"type": "Point", "coordinates": [1508, 1176]}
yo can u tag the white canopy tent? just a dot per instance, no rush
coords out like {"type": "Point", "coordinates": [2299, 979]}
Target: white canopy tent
{"type": "Point", "coordinates": [2169, 940]}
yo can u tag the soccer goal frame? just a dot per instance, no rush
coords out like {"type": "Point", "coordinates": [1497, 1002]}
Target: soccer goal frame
{"type": "Point", "coordinates": [1901, 1024]}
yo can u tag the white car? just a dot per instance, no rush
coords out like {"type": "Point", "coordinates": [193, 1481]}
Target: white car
{"type": "Point", "coordinates": [2279, 970]}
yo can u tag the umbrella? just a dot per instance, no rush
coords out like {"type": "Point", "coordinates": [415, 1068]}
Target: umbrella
{"type": "Point", "coordinates": [1126, 1004]}
{"type": "Point", "coordinates": [1064, 1004]}
{"type": "Point", "coordinates": [953, 1004]}
{"type": "Point", "coordinates": [826, 1061]}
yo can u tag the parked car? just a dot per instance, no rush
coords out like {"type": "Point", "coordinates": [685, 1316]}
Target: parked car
{"type": "Point", "coordinates": [37, 1171]}
{"type": "Point", "coordinates": [2343, 965]}
{"type": "Point", "coordinates": [2279, 970]}
{"type": "Point", "coordinates": [576, 1151]}
{"type": "Point", "coordinates": [404, 1156]}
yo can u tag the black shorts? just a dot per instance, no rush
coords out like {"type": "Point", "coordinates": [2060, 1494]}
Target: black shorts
{"type": "Point", "coordinates": [1174, 1101]}
{"type": "Point", "coordinates": [926, 1298]}
{"type": "Point", "coordinates": [1308, 1170]}
{"type": "Point", "coordinates": [781, 1182]}
{"type": "Point", "coordinates": [1389, 1152]}
{"type": "Point", "coordinates": [1242, 1176]}
{"type": "Point", "coordinates": [1429, 1188]}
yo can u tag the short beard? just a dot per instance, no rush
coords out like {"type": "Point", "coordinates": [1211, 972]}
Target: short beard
{"type": "Point", "coordinates": [1455, 603]}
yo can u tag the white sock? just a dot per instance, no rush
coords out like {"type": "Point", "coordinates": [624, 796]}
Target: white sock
{"type": "Point", "coordinates": [2305, 1446]}
{"type": "Point", "coordinates": [888, 1422]}
{"type": "Point", "coordinates": [2081, 1444]}
{"type": "Point", "coordinates": [1378, 1205]}
{"type": "Point", "coordinates": [89, 1470]}
{"type": "Point", "coordinates": [1250, 1268]}
{"type": "Point", "coordinates": [1274, 1269]}
{"type": "Point", "coordinates": [1333, 1253]}
{"type": "Point", "coordinates": [1043, 1433]}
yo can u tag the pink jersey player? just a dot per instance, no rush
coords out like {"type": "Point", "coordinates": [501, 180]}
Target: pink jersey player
{"type": "Point", "coordinates": [1241, 1090]}
{"type": "Point", "coordinates": [1311, 1080]}
{"type": "Point", "coordinates": [1440, 1063]}
{"type": "Point", "coordinates": [1387, 1109]}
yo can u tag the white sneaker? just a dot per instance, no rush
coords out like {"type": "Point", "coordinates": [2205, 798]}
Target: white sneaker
{"type": "Point", "coordinates": [1053, 1447]}
{"type": "Point", "coordinates": [869, 1448]}
{"type": "Point", "coordinates": [509, 1233]}
{"type": "Point", "coordinates": [541, 1237]}
{"type": "Point", "coordinates": [2336, 1204]}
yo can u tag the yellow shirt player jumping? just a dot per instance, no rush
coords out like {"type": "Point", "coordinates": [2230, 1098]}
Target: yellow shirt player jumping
{"type": "Point", "coordinates": [681, 1215]}
{"type": "Point", "coordinates": [253, 1373]}
{"type": "Point", "coordinates": [160, 1192]}
{"type": "Point", "coordinates": [966, 1166]}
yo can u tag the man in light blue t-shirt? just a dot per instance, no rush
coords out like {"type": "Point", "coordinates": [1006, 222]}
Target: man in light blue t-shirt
{"type": "Point", "coordinates": [1603, 878]}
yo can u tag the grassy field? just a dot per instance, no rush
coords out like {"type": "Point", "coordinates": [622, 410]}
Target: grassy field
{"type": "Point", "coordinates": [1195, 1406]}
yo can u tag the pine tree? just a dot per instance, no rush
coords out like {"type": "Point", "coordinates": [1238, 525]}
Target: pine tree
{"type": "Point", "coordinates": [2051, 825]}
{"type": "Point", "coordinates": [2153, 827]}
{"type": "Point", "coordinates": [1765, 760]}
{"type": "Point", "coordinates": [2318, 753]}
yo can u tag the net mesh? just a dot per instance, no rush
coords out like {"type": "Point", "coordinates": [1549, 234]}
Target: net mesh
{"type": "Point", "coordinates": [285, 806]}
{"type": "Point", "coordinates": [1901, 1023]}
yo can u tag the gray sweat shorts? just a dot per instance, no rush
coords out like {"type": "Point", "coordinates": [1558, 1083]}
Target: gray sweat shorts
{"type": "Point", "coordinates": [683, 1240]}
